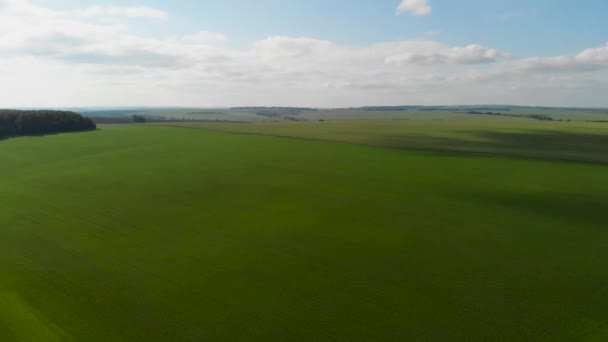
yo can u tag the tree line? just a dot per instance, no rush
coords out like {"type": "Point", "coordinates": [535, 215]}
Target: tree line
{"type": "Point", "coordinates": [33, 122]}
{"type": "Point", "coordinates": [540, 117]}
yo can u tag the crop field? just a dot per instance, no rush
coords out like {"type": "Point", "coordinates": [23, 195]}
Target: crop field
{"type": "Point", "coordinates": [307, 231]}
{"type": "Point", "coordinates": [563, 141]}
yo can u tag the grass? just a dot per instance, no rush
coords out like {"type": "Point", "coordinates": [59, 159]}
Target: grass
{"type": "Point", "coordinates": [144, 233]}
{"type": "Point", "coordinates": [566, 141]}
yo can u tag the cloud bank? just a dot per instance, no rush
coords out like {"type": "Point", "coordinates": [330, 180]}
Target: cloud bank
{"type": "Point", "coordinates": [81, 58]}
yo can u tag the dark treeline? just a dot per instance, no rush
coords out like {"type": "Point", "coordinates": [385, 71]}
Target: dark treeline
{"type": "Point", "coordinates": [299, 109]}
{"type": "Point", "coordinates": [33, 122]}
{"type": "Point", "coordinates": [430, 108]}
{"type": "Point", "coordinates": [540, 117]}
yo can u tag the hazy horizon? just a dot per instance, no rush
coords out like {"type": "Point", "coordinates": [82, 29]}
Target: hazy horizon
{"type": "Point", "coordinates": [109, 107]}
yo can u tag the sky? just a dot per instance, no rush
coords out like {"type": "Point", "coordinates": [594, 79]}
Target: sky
{"type": "Point", "coordinates": [313, 53]}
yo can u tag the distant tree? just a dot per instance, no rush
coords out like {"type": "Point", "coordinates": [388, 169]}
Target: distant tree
{"type": "Point", "coordinates": [31, 122]}
{"type": "Point", "coordinates": [138, 118]}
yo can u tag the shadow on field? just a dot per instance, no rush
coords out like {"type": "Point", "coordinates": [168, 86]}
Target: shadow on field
{"type": "Point", "coordinates": [545, 145]}
{"type": "Point", "coordinates": [576, 209]}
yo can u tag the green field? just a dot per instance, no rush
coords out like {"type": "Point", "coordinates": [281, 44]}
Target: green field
{"type": "Point", "coordinates": [561, 141]}
{"type": "Point", "coordinates": [152, 233]}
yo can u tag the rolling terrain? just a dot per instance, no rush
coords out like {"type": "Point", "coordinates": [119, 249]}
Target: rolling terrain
{"type": "Point", "coordinates": [155, 233]}
{"type": "Point", "coordinates": [415, 113]}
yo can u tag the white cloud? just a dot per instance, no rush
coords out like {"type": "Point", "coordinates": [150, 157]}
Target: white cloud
{"type": "Point", "coordinates": [594, 56]}
{"type": "Point", "coordinates": [114, 11]}
{"type": "Point", "coordinates": [56, 58]}
{"type": "Point", "coordinates": [440, 54]}
{"type": "Point", "coordinates": [415, 7]}
{"type": "Point", "coordinates": [587, 60]}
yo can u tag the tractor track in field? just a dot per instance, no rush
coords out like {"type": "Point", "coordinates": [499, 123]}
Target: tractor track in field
{"type": "Point", "coordinates": [478, 153]}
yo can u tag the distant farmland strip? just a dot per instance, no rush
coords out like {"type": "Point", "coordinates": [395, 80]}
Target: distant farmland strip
{"type": "Point", "coordinates": [549, 143]}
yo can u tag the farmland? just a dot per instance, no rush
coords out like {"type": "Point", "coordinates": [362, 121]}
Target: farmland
{"type": "Point", "coordinates": [565, 141]}
{"type": "Point", "coordinates": [287, 114]}
{"type": "Point", "coordinates": [306, 231]}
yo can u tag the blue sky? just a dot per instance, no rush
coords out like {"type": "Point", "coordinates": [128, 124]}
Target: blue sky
{"type": "Point", "coordinates": [313, 52]}
{"type": "Point", "coordinates": [524, 27]}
